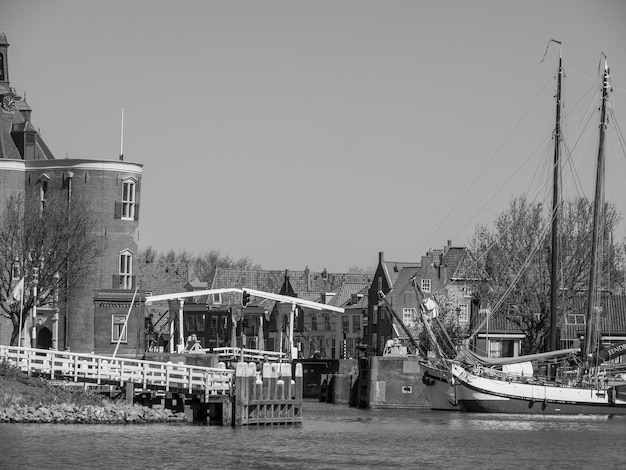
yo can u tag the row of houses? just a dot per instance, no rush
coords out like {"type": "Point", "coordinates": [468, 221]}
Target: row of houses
{"type": "Point", "coordinates": [108, 314]}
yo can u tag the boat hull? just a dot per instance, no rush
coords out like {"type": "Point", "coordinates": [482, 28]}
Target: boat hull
{"type": "Point", "coordinates": [477, 393]}
{"type": "Point", "coordinates": [440, 388]}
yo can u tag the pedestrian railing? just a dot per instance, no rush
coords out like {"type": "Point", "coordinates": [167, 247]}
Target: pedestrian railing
{"type": "Point", "coordinates": [249, 355]}
{"type": "Point", "coordinates": [80, 367]}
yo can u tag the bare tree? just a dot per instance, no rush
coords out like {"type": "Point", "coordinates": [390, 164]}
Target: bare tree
{"type": "Point", "coordinates": [524, 229]}
{"type": "Point", "coordinates": [200, 266]}
{"type": "Point", "coordinates": [54, 246]}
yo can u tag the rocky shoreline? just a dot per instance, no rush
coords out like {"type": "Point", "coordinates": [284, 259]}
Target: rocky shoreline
{"type": "Point", "coordinates": [64, 413]}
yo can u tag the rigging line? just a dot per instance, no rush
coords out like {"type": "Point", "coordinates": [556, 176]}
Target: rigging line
{"type": "Point", "coordinates": [500, 236]}
{"type": "Point", "coordinates": [618, 131]}
{"type": "Point", "coordinates": [482, 170]}
{"type": "Point", "coordinates": [586, 77]}
{"type": "Point", "coordinates": [579, 133]}
{"type": "Point", "coordinates": [506, 231]}
{"type": "Point", "coordinates": [504, 184]}
{"type": "Point", "coordinates": [511, 286]}
{"type": "Point", "coordinates": [540, 239]}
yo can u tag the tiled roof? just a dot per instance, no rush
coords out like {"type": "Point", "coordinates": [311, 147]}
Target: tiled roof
{"type": "Point", "coordinates": [162, 278]}
{"type": "Point", "coordinates": [308, 285]}
{"type": "Point", "coordinates": [496, 324]}
{"type": "Point", "coordinates": [345, 292]}
{"type": "Point", "coordinates": [462, 264]}
{"type": "Point", "coordinates": [393, 269]}
{"type": "Point", "coordinates": [612, 320]}
{"type": "Point", "coordinates": [303, 282]}
{"type": "Point", "coordinates": [403, 281]}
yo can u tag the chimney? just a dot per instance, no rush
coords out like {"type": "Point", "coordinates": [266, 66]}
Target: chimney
{"type": "Point", "coordinates": [307, 276]}
{"type": "Point", "coordinates": [381, 256]}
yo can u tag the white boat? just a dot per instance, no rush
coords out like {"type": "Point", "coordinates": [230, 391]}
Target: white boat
{"type": "Point", "coordinates": [557, 382]}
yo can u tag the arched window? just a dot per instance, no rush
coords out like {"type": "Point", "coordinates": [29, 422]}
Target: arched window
{"type": "Point", "coordinates": [43, 191]}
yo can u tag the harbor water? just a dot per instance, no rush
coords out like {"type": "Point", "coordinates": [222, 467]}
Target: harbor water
{"type": "Point", "coordinates": [331, 437]}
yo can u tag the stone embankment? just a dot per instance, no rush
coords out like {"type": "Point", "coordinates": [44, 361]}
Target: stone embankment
{"type": "Point", "coordinates": [113, 413]}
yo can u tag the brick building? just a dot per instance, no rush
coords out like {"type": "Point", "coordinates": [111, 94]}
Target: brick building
{"type": "Point", "coordinates": [112, 187]}
{"type": "Point", "coordinates": [451, 269]}
{"type": "Point", "coordinates": [315, 331]}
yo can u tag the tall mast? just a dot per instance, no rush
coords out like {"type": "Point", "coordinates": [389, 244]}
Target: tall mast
{"type": "Point", "coordinates": [554, 277]}
{"type": "Point", "coordinates": [598, 213]}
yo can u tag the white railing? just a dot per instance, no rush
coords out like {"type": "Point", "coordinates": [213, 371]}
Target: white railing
{"type": "Point", "coordinates": [106, 369]}
{"type": "Point", "coordinates": [249, 355]}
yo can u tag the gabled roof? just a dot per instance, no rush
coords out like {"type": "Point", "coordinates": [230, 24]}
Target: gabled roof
{"type": "Point", "coordinates": [13, 123]}
{"type": "Point", "coordinates": [403, 281]}
{"type": "Point", "coordinates": [462, 265]}
{"type": "Point", "coordinates": [392, 269]}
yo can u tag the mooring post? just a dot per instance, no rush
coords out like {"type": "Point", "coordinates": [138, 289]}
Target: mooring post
{"type": "Point", "coordinates": [272, 379]}
{"type": "Point", "coordinates": [130, 392]}
{"type": "Point", "coordinates": [298, 382]}
{"type": "Point", "coordinates": [250, 383]}
{"type": "Point", "coordinates": [285, 375]}
{"type": "Point", "coordinates": [241, 393]}
{"type": "Point", "coordinates": [265, 376]}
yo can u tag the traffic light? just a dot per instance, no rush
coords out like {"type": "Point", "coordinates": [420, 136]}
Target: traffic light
{"type": "Point", "coordinates": [245, 299]}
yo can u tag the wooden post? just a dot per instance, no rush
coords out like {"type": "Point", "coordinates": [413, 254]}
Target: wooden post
{"type": "Point", "coordinates": [241, 394]}
{"type": "Point", "coordinates": [130, 392]}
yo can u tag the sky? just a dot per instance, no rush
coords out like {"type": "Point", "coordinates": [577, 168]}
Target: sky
{"type": "Point", "coordinates": [312, 133]}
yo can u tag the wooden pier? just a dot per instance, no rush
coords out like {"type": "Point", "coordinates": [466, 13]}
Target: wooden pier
{"type": "Point", "coordinates": [240, 397]}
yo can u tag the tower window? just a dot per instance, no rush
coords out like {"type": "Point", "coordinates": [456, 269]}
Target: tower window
{"type": "Point", "coordinates": [118, 332]}
{"type": "Point", "coordinates": [128, 200]}
{"type": "Point", "coordinates": [43, 194]}
{"type": "Point", "coordinates": [126, 270]}
{"type": "Point", "coordinates": [43, 191]}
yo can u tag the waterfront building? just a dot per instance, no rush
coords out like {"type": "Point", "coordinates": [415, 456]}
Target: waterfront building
{"type": "Point", "coordinates": [28, 167]}
{"type": "Point", "coordinates": [451, 270]}
{"type": "Point", "coordinates": [316, 332]}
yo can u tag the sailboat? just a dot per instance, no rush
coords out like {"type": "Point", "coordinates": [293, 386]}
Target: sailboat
{"type": "Point", "coordinates": [571, 381]}
{"type": "Point", "coordinates": [436, 376]}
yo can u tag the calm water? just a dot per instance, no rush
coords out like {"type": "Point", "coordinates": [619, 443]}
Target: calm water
{"type": "Point", "coordinates": [332, 437]}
